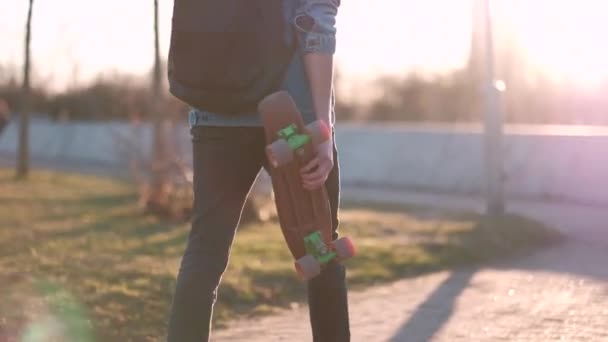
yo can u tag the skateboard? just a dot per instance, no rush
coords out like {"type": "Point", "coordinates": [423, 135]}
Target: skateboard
{"type": "Point", "coordinates": [304, 215]}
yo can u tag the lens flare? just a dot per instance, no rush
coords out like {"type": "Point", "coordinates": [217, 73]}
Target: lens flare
{"type": "Point", "coordinates": [61, 317]}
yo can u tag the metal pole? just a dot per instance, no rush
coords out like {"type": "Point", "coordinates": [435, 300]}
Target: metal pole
{"type": "Point", "coordinates": [493, 125]}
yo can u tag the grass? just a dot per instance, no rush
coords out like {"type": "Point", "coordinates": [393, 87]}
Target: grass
{"type": "Point", "coordinates": [78, 258]}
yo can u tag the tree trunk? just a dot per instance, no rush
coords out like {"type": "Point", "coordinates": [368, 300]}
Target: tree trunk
{"type": "Point", "coordinates": [23, 153]}
{"type": "Point", "coordinates": [160, 186]}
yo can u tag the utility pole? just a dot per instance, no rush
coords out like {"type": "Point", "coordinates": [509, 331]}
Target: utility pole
{"type": "Point", "coordinates": [493, 122]}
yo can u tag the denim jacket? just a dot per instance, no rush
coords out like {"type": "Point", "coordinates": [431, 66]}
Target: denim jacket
{"type": "Point", "coordinates": [313, 24]}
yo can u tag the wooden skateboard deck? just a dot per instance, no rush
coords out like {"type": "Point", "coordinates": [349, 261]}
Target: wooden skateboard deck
{"type": "Point", "coordinates": [301, 212]}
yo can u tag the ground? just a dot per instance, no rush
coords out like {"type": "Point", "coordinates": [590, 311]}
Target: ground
{"type": "Point", "coordinates": [80, 262]}
{"type": "Point", "coordinates": [556, 294]}
{"type": "Point", "coordinates": [559, 293]}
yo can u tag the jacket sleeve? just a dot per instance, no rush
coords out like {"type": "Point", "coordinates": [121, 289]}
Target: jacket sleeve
{"type": "Point", "coordinates": [315, 23]}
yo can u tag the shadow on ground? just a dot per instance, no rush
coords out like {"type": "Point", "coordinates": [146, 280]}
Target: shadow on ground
{"type": "Point", "coordinates": [580, 253]}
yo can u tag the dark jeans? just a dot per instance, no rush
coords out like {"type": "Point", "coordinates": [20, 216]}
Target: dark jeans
{"type": "Point", "coordinates": [226, 163]}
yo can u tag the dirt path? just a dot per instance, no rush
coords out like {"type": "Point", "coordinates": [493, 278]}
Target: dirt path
{"type": "Point", "coordinates": [558, 294]}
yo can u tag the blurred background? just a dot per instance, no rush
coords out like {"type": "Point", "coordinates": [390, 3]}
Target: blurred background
{"type": "Point", "coordinates": [430, 100]}
{"type": "Point", "coordinates": [404, 60]}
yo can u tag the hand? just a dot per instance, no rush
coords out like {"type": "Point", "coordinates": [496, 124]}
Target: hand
{"type": "Point", "coordinates": [315, 173]}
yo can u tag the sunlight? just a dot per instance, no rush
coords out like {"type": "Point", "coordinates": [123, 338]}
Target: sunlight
{"type": "Point", "coordinates": [562, 37]}
{"type": "Point", "coordinates": [401, 35]}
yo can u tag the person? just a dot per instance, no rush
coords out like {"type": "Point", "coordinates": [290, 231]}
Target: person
{"type": "Point", "coordinates": [228, 154]}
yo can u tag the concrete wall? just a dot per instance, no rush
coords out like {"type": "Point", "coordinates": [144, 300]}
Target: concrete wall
{"type": "Point", "coordinates": [546, 162]}
{"type": "Point", "coordinates": [549, 162]}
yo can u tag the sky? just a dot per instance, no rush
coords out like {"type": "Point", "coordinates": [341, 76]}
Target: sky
{"type": "Point", "coordinates": [74, 40]}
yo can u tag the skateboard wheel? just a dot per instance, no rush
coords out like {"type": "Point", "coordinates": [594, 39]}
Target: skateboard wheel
{"type": "Point", "coordinates": [279, 153]}
{"type": "Point", "coordinates": [345, 248]}
{"type": "Point", "coordinates": [308, 267]}
{"type": "Point", "coordinates": [318, 131]}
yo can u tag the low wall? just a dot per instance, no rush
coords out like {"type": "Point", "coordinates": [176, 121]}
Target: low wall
{"type": "Point", "coordinates": [546, 163]}
{"type": "Point", "coordinates": [540, 162]}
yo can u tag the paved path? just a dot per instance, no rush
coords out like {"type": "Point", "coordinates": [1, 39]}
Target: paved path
{"type": "Point", "coordinates": [557, 294]}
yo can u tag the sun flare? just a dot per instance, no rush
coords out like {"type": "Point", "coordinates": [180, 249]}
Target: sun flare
{"type": "Point", "coordinates": [563, 38]}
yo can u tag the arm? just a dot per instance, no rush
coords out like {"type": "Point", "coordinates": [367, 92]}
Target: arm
{"type": "Point", "coordinates": [319, 69]}
{"type": "Point", "coordinates": [315, 22]}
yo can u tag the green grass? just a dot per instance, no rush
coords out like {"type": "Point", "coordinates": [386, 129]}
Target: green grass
{"type": "Point", "coordinates": [76, 250]}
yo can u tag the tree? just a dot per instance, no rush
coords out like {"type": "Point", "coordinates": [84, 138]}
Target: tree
{"type": "Point", "coordinates": [160, 185]}
{"type": "Point", "coordinates": [23, 154]}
